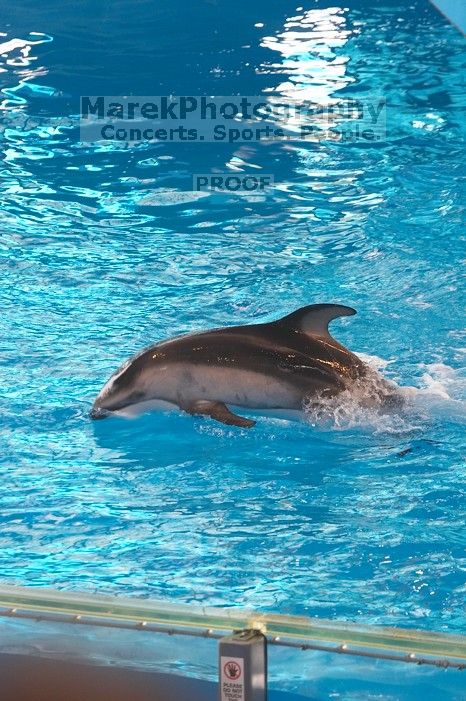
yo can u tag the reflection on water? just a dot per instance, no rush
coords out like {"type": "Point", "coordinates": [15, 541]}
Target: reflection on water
{"type": "Point", "coordinates": [17, 58]}
{"type": "Point", "coordinates": [315, 70]}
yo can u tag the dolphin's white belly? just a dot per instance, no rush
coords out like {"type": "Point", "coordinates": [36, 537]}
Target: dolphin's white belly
{"type": "Point", "coordinates": [135, 410]}
{"type": "Point", "coordinates": [184, 384]}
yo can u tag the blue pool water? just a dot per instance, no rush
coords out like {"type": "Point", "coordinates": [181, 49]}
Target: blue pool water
{"type": "Point", "coordinates": [105, 250]}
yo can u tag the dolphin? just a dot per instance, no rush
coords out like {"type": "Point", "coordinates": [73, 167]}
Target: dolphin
{"type": "Point", "coordinates": [270, 366]}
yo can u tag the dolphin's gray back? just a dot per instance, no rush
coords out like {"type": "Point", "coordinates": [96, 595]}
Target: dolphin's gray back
{"type": "Point", "coordinates": [296, 349]}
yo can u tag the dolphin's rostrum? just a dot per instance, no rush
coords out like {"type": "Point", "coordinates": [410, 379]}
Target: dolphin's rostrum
{"type": "Point", "coordinates": [277, 365]}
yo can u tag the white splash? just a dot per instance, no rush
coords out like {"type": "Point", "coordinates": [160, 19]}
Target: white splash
{"type": "Point", "coordinates": [370, 403]}
{"type": "Point", "coordinates": [443, 392]}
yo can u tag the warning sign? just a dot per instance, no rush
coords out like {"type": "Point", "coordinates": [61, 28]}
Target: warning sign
{"type": "Point", "coordinates": [232, 678]}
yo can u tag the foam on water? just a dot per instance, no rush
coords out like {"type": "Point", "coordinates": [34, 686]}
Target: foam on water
{"type": "Point", "coordinates": [364, 404]}
{"type": "Point", "coordinates": [443, 392]}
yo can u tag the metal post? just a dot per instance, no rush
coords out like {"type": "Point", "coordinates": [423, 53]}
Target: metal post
{"type": "Point", "coordinates": [243, 667]}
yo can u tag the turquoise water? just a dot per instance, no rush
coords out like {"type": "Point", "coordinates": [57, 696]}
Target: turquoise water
{"type": "Point", "coordinates": [105, 250]}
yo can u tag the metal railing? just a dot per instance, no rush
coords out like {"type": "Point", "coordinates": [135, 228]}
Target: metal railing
{"type": "Point", "coordinates": [397, 644]}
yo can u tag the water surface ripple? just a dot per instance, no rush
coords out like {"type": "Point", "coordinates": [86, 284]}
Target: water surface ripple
{"type": "Point", "coordinates": [104, 250]}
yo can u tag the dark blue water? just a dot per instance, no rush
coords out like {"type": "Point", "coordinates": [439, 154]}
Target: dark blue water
{"type": "Point", "coordinates": [106, 249]}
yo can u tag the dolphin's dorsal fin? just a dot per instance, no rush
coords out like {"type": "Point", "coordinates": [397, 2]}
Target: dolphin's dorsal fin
{"type": "Point", "coordinates": [314, 319]}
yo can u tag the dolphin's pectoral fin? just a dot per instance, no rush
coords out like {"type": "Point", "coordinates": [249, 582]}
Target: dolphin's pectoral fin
{"type": "Point", "coordinates": [314, 319]}
{"type": "Point", "coordinates": [219, 412]}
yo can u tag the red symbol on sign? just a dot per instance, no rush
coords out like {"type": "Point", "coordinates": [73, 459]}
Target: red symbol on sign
{"type": "Point", "coordinates": [232, 670]}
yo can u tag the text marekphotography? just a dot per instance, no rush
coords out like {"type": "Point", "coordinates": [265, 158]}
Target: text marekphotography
{"type": "Point", "coordinates": [236, 119]}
